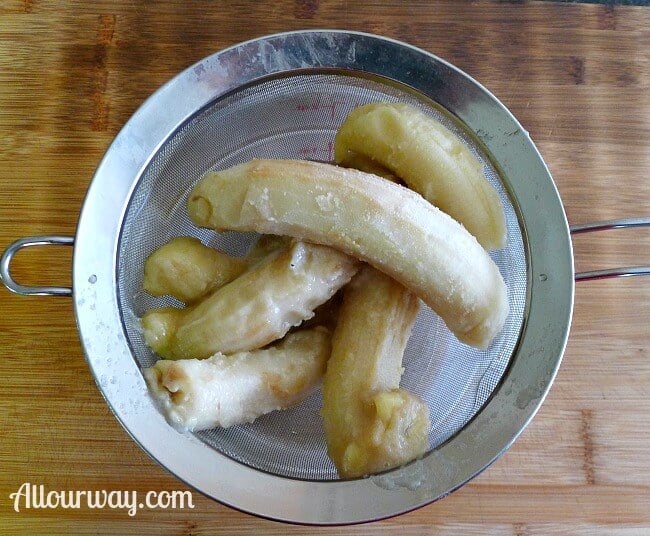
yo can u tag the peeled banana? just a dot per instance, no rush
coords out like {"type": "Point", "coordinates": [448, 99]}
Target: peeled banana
{"type": "Point", "coordinates": [258, 307]}
{"type": "Point", "coordinates": [196, 394]}
{"type": "Point", "coordinates": [188, 270]}
{"type": "Point", "coordinates": [371, 424]}
{"type": "Point", "coordinates": [430, 159]}
{"type": "Point", "coordinates": [389, 226]}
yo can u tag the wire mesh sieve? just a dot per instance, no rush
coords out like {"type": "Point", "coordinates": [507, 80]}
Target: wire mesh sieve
{"type": "Point", "coordinates": [296, 116]}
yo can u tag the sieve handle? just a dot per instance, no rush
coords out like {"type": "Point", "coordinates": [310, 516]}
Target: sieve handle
{"type": "Point", "coordinates": [15, 247]}
{"type": "Point", "coordinates": [603, 226]}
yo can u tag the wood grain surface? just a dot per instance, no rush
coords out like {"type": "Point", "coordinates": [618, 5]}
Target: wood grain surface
{"type": "Point", "coordinates": [577, 76]}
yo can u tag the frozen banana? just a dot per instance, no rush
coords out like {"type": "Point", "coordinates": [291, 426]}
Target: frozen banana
{"type": "Point", "coordinates": [372, 425]}
{"type": "Point", "coordinates": [389, 226]}
{"type": "Point", "coordinates": [196, 394]}
{"type": "Point", "coordinates": [258, 307]}
{"type": "Point", "coordinates": [430, 159]}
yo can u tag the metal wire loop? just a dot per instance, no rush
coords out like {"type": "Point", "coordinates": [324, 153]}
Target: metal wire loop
{"type": "Point", "coordinates": [604, 226]}
{"type": "Point", "coordinates": [15, 247]}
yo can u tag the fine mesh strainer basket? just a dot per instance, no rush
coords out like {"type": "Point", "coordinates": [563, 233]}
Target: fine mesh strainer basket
{"type": "Point", "coordinates": [284, 96]}
{"type": "Point", "coordinates": [296, 116]}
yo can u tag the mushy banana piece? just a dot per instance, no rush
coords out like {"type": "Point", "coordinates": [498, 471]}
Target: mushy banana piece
{"type": "Point", "coordinates": [197, 394]}
{"type": "Point", "coordinates": [188, 270]}
{"type": "Point", "coordinates": [368, 217]}
{"type": "Point", "coordinates": [372, 425]}
{"type": "Point", "coordinates": [430, 159]}
{"type": "Point", "coordinates": [258, 307]}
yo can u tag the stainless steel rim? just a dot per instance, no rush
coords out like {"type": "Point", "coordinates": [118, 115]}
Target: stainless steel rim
{"type": "Point", "coordinates": [482, 440]}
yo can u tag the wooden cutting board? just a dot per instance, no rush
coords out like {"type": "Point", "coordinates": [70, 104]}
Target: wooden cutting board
{"type": "Point", "coordinates": [578, 78]}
